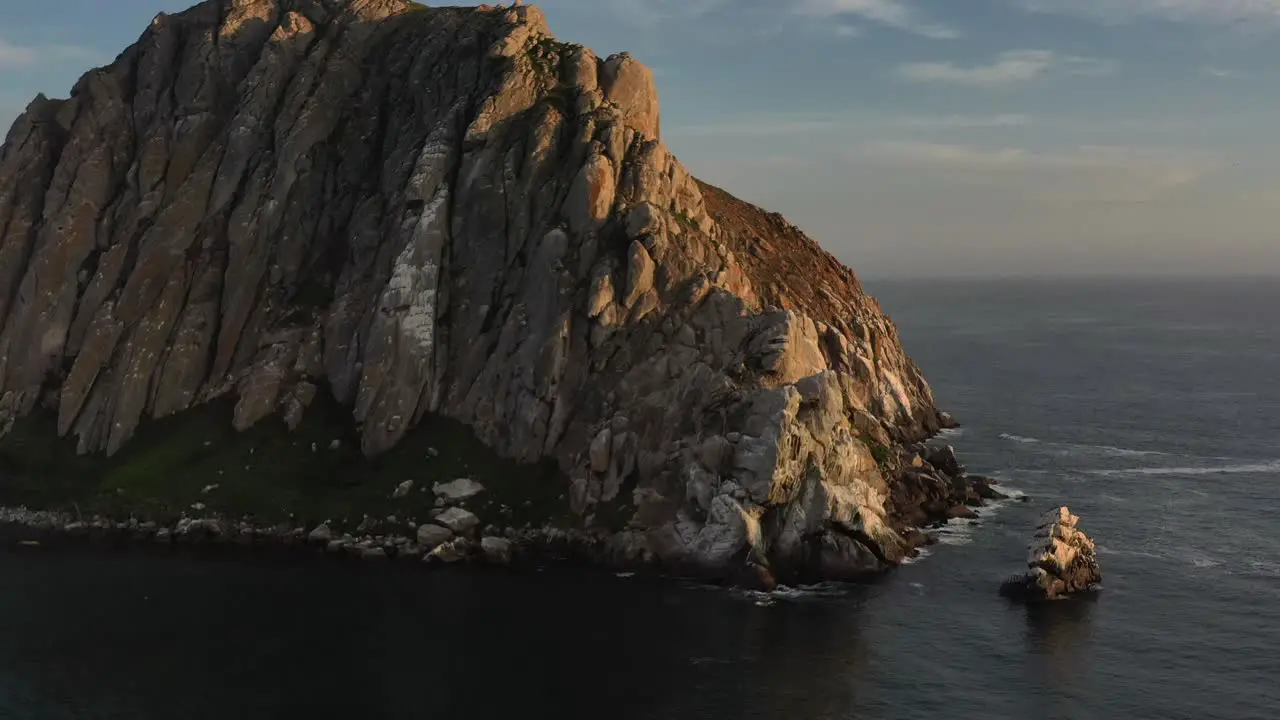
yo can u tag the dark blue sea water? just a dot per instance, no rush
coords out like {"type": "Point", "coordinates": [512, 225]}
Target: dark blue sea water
{"type": "Point", "coordinates": [1152, 408]}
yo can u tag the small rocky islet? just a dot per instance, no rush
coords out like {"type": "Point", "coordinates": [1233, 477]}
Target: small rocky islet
{"type": "Point", "coordinates": [1062, 561]}
{"type": "Point", "coordinates": [268, 224]}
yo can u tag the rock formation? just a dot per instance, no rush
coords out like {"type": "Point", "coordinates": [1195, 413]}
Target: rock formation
{"type": "Point", "coordinates": [1061, 561]}
{"type": "Point", "coordinates": [445, 211]}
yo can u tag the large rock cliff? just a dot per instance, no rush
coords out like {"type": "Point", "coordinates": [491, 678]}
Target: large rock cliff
{"type": "Point", "coordinates": [445, 211]}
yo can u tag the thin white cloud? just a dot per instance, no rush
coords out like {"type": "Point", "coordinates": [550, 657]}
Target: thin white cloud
{"type": "Point", "coordinates": [1220, 73]}
{"type": "Point", "coordinates": [651, 13]}
{"type": "Point", "coordinates": [847, 31]}
{"type": "Point", "coordinates": [1009, 68]}
{"type": "Point", "coordinates": [1087, 66]}
{"type": "Point", "coordinates": [943, 155]}
{"type": "Point", "coordinates": [16, 55]}
{"type": "Point", "coordinates": [896, 14]}
{"type": "Point", "coordinates": [1114, 157]}
{"type": "Point", "coordinates": [1131, 174]}
{"type": "Point", "coordinates": [757, 128]}
{"type": "Point", "coordinates": [1215, 12]}
{"type": "Point", "coordinates": [782, 126]}
{"type": "Point", "coordinates": [13, 55]}
{"type": "Point", "coordinates": [964, 122]}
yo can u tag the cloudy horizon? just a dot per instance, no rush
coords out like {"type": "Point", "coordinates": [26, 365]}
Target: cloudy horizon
{"type": "Point", "coordinates": [915, 137]}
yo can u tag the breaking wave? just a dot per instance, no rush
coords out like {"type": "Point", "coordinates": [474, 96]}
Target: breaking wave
{"type": "Point", "coordinates": [823, 590]}
{"type": "Point", "coordinates": [956, 532]}
{"type": "Point", "coordinates": [1103, 449]}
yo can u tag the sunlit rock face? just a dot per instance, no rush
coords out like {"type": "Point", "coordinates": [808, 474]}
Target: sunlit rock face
{"type": "Point", "coordinates": [446, 210]}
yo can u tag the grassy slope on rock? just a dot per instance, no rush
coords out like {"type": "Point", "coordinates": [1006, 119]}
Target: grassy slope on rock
{"type": "Point", "coordinates": [311, 474]}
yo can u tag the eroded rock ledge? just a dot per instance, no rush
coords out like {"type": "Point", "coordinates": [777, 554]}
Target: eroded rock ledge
{"type": "Point", "coordinates": [446, 212]}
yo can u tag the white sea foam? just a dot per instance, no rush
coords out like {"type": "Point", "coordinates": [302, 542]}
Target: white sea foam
{"type": "Point", "coordinates": [1122, 452]}
{"type": "Point", "coordinates": [1265, 567]}
{"type": "Point", "coordinates": [800, 592]}
{"type": "Point", "coordinates": [1019, 439]}
{"type": "Point", "coordinates": [1066, 448]}
{"type": "Point", "coordinates": [988, 511]}
{"type": "Point", "coordinates": [921, 554]}
{"type": "Point", "coordinates": [1240, 469]}
{"type": "Point", "coordinates": [949, 433]}
{"type": "Point", "coordinates": [1182, 555]}
{"type": "Point", "coordinates": [958, 531]}
{"type": "Point", "coordinates": [1104, 550]}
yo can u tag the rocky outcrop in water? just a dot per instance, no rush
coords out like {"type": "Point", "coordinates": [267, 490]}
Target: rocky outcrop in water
{"type": "Point", "coordinates": [1061, 561]}
{"type": "Point", "coordinates": [446, 211]}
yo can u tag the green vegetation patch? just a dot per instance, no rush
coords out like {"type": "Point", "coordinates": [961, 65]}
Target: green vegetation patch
{"type": "Point", "coordinates": [883, 455]}
{"type": "Point", "coordinates": [687, 222]}
{"type": "Point", "coordinates": [308, 475]}
{"type": "Point", "coordinates": [546, 54]}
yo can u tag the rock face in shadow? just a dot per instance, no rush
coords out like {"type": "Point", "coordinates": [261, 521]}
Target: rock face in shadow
{"type": "Point", "coordinates": [447, 211]}
{"type": "Point", "coordinates": [1061, 561]}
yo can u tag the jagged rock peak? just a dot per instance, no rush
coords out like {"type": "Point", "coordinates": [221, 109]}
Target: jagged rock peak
{"type": "Point", "coordinates": [446, 210]}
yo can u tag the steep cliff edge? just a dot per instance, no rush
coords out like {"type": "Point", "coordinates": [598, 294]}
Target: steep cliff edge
{"type": "Point", "coordinates": [446, 213]}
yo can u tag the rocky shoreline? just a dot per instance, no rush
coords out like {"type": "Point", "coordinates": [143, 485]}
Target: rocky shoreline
{"type": "Point", "coordinates": [490, 545]}
{"type": "Point", "coordinates": [932, 489]}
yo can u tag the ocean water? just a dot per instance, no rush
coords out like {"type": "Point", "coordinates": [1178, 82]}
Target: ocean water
{"type": "Point", "coordinates": [1151, 408]}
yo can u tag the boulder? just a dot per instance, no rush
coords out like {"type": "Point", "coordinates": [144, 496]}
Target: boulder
{"type": "Point", "coordinates": [321, 534]}
{"type": "Point", "coordinates": [457, 490]}
{"type": "Point", "coordinates": [199, 529]}
{"type": "Point", "coordinates": [944, 459]}
{"type": "Point", "coordinates": [457, 519]}
{"type": "Point", "coordinates": [758, 577]}
{"type": "Point", "coordinates": [981, 488]}
{"type": "Point", "coordinates": [431, 536]}
{"type": "Point", "coordinates": [496, 550]}
{"type": "Point", "coordinates": [1061, 561]}
{"type": "Point", "coordinates": [403, 489]}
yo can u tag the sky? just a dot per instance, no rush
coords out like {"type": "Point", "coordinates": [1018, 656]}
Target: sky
{"type": "Point", "coordinates": [914, 137]}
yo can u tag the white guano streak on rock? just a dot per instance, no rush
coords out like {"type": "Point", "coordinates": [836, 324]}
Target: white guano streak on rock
{"type": "Point", "coordinates": [411, 291]}
{"type": "Point", "coordinates": [390, 390]}
{"type": "Point", "coordinates": [894, 396]}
